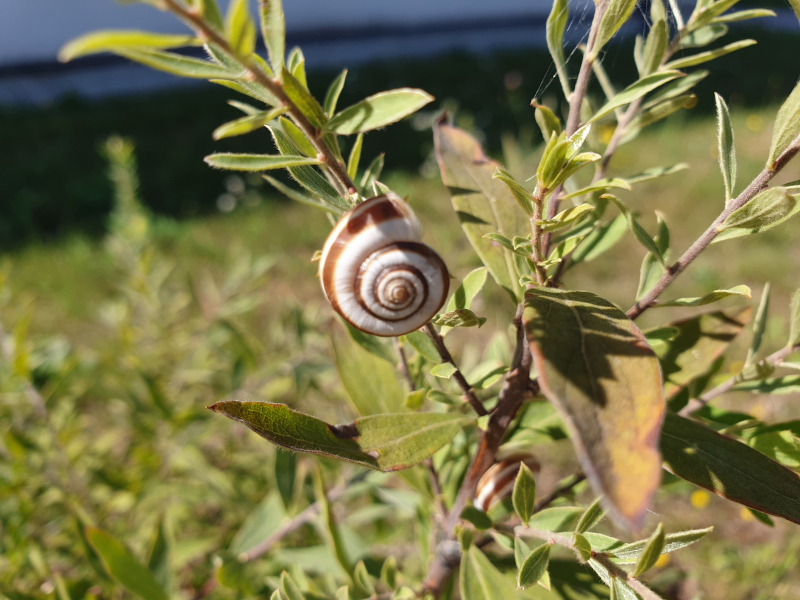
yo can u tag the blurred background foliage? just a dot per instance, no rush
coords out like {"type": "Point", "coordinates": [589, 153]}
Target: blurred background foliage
{"type": "Point", "coordinates": [115, 342]}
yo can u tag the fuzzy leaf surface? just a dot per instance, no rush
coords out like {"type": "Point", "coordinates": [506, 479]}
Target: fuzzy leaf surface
{"type": "Point", "coordinates": [257, 162]}
{"type": "Point", "coordinates": [767, 208]}
{"type": "Point", "coordinates": [635, 91]}
{"type": "Point", "coordinates": [378, 111]}
{"type": "Point", "coordinates": [709, 298]}
{"type": "Point", "coordinates": [595, 366]}
{"type": "Point", "coordinates": [112, 40]}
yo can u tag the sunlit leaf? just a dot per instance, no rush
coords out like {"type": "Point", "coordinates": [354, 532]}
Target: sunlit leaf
{"type": "Point", "coordinates": [590, 517]}
{"type": "Point", "coordinates": [600, 240]}
{"type": "Point", "coordinates": [726, 149]}
{"type": "Point", "coordinates": [635, 91]}
{"type": "Point", "coordinates": [378, 111]}
{"type": "Point", "coordinates": [743, 15]}
{"type": "Point", "coordinates": [655, 47]}
{"type": "Point", "coordinates": [461, 317]}
{"type": "Point", "coordinates": [729, 468]}
{"type": "Point", "coordinates": [638, 231]}
{"type": "Point", "coordinates": [595, 366]}
{"type": "Point", "coordinates": [599, 186]}
{"type": "Point", "coordinates": [556, 24]}
{"type": "Point", "coordinates": [274, 31]}
{"type": "Point", "coordinates": [332, 95]}
{"type": "Point", "coordinates": [112, 40]}
{"type": "Point", "coordinates": [303, 100]}
{"type": "Point", "coordinates": [767, 208]}
{"type": "Point", "coordinates": [524, 495]}
{"type": "Point", "coordinates": [711, 297]}
{"type": "Point", "coordinates": [651, 552]}
{"type": "Point", "coordinates": [479, 579]}
{"type": "Point", "coordinates": [523, 197]}
{"type": "Point", "coordinates": [629, 553]}
{"type": "Point", "coordinates": [177, 64]}
{"type": "Point", "coordinates": [617, 12]}
{"type": "Point", "coordinates": [534, 567]}
{"type": "Point", "coordinates": [247, 124]}
{"type": "Point", "coordinates": [256, 162]}
{"type": "Point", "coordinates": [787, 125]}
{"type": "Point", "coordinates": [239, 28]}
{"type": "Point", "coordinates": [387, 442]}
{"type": "Point", "coordinates": [698, 59]}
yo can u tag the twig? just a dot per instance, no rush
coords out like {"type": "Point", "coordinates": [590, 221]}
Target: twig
{"type": "Point", "coordinates": [326, 156]}
{"type": "Point", "coordinates": [614, 570]}
{"type": "Point", "coordinates": [697, 403]}
{"type": "Point", "coordinates": [757, 185]}
{"type": "Point", "coordinates": [436, 486]}
{"type": "Point", "coordinates": [403, 366]}
{"type": "Point", "coordinates": [516, 388]}
{"type": "Point", "coordinates": [466, 388]}
{"type": "Point", "coordinates": [558, 492]}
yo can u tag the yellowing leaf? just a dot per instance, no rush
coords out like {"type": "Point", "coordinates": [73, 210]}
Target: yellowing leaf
{"type": "Point", "coordinates": [387, 442]}
{"type": "Point", "coordinates": [595, 366]}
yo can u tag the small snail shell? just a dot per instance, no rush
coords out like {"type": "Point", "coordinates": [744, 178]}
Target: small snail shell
{"type": "Point", "coordinates": [497, 483]}
{"type": "Point", "coordinates": [377, 274]}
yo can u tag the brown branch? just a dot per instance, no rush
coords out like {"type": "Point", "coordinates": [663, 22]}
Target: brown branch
{"type": "Point", "coordinates": [516, 388]}
{"type": "Point", "coordinates": [758, 185]}
{"type": "Point", "coordinates": [585, 73]}
{"type": "Point", "coordinates": [403, 365]}
{"type": "Point", "coordinates": [466, 388]}
{"type": "Point", "coordinates": [697, 403]}
{"type": "Point", "coordinates": [207, 32]}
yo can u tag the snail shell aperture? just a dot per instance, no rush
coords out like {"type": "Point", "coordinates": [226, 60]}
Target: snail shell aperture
{"type": "Point", "coordinates": [376, 272]}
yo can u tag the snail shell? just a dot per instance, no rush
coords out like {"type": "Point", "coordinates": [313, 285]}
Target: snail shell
{"type": "Point", "coordinates": [376, 272]}
{"type": "Point", "coordinates": [497, 483]}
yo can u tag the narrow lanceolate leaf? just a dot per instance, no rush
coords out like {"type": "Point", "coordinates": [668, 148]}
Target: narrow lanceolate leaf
{"type": "Point", "coordinates": [590, 517]}
{"type": "Point", "coordinates": [743, 15]}
{"type": "Point", "coordinates": [768, 207]}
{"type": "Point", "coordinates": [727, 152]}
{"type": "Point", "coordinates": [209, 10]}
{"type": "Point", "coordinates": [556, 23]}
{"type": "Point", "coordinates": [302, 98]}
{"type": "Point", "coordinates": [383, 442]}
{"type": "Point", "coordinates": [523, 197]}
{"type": "Point", "coordinates": [247, 124]}
{"type": "Point", "coordinates": [630, 553]}
{"type": "Point", "coordinates": [635, 91]}
{"type": "Point", "coordinates": [378, 111]}
{"type": "Point", "coordinates": [655, 46]}
{"type": "Point", "coordinates": [483, 204]}
{"type": "Point", "coordinates": [534, 567]}
{"type": "Point", "coordinates": [601, 240]}
{"type": "Point", "coordinates": [789, 384]}
{"type": "Point", "coordinates": [257, 162]}
{"type": "Point", "coordinates": [332, 95]}
{"type": "Point", "coordinates": [113, 40]}
{"type": "Point", "coordinates": [123, 566]}
{"type": "Point", "coordinates": [656, 172]}
{"type": "Point", "coordinates": [616, 14]}
{"type": "Point", "coordinates": [599, 186]}
{"type": "Point", "coordinates": [595, 366]}
{"type": "Point", "coordinates": [638, 231]}
{"type": "Point", "coordinates": [239, 28]}
{"type": "Point", "coordinates": [466, 292]}
{"type": "Point", "coordinates": [567, 217]}
{"type": "Point", "coordinates": [729, 468]}
{"type": "Point", "coordinates": [479, 579]}
{"type": "Point", "coordinates": [698, 59]}
{"type": "Point", "coordinates": [736, 232]}
{"type": "Point", "coordinates": [461, 317]}
{"type": "Point", "coordinates": [794, 327]}
{"type": "Point", "coordinates": [524, 495]}
{"type": "Point", "coordinates": [297, 196]}
{"type": "Point", "coordinates": [787, 125]}
{"type": "Point", "coordinates": [652, 550]}
{"type": "Point", "coordinates": [178, 64]}
{"type": "Point", "coordinates": [274, 31]}
{"type": "Point", "coordinates": [715, 296]}
{"type": "Point", "coordinates": [706, 12]}
{"type": "Point", "coordinates": [759, 324]}
{"type": "Point", "coordinates": [547, 120]}
{"type": "Point", "coordinates": [355, 156]}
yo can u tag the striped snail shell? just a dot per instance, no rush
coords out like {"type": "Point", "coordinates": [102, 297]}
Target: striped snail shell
{"type": "Point", "coordinates": [497, 483]}
{"type": "Point", "coordinates": [376, 272]}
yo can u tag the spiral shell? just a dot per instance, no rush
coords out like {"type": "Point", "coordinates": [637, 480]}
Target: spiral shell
{"type": "Point", "coordinates": [497, 483]}
{"type": "Point", "coordinates": [376, 272]}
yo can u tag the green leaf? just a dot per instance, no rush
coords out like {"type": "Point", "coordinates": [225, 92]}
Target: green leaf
{"type": "Point", "coordinates": [630, 553]}
{"type": "Point", "coordinates": [698, 59]}
{"type": "Point", "coordinates": [788, 384]}
{"type": "Point", "coordinates": [759, 325]}
{"type": "Point", "coordinates": [443, 398]}
{"type": "Point", "coordinates": [209, 10]}
{"type": "Point", "coordinates": [465, 293]}
{"type": "Point", "coordinates": [656, 172]}
{"type": "Point", "coordinates": [389, 572]}
{"type": "Point", "coordinates": [590, 517]}
{"type": "Point", "coordinates": [296, 65]}
{"type": "Point", "coordinates": [617, 12]}
{"type": "Point", "coordinates": [302, 98]}
{"type": "Point", "coordinates": [655, 47]}
{"type": "Point", "coordinates": [332, 96]}
{"type": "Point", "coordinates": [534, 567]}
{"type": "Point", "coordinates": [414, 399]}
{"type": "Point", "coordinates": [582, 547]}
{"type": "Point", "coordinates": [764, 209]}
{"type": "Point", "coordinates": [247, 124]}
{"type": "Point", "coordinates": [123, 566]}
{"type": "Point", "coordinates": [599, 186]}
{"type": "Point", "coordinates": [479, 579]}
{"type": "Point", "coordinates": [600, 240]}
{"type": "Point", "coordinates": [651, 271]}
{"type": "Point", "coordinates": [387, 442]}
{"type": "Point", "coordinates": [595, 366]}
{"type": "Point", "coordinates": [289, 589]}
{"type": "Point", "coordinates": [370, 382]}
{"type": "Point", "coordinates": [483, 204]}
{"type": "Point", "coordinates": [262, 522]}
{"type": "Point", "coordinates": [355, 156]}
{"type": "Point", "coordinates": [523, 197]}
{"type": "Point", "coordinates": [726, 149]}
{"type": "Point", "coordinates": [524, 495]}
{"type": "Point", "coordinates": [423, 344]}
{"type": "Point", "coordinates": [744, 15]}
{"type": "Point", "coordinates": [461, 317]}
{"type": "Point", "coordinates": [556, 24]}
{"type": "Point", "coordinates": [363, 579]}
{"type": "Point", "coordinates": [299, 196]}
{"type": "Point", "coordinates": [676, 89]}
{"type": "Point", "coordinates": [297, 138]}
{"type": "Point", "coordinates": [702, 37]}
{"type": "Point", "coordinates": [638, 231]}
{"type": "Point", "coordinates": [378, 111]}
{"type": "Point", "coordinates": [239, 28]}
{"type": "Point", "coordinates": [736, 232]}
{"type": "Point", "coordinates": [715, 296]}
{"type": "Point", "coordinates": [159, 561]}
{"type": "Point", "coordinates": [273, 29]}
{"type": "Point", "coordinates": [178, 64]}
{"type": "Point", "coordinates": [794, 327]}
{"type": "Point", "coordinates": [635, 91]}
{"type": "Point", "coordinates": [111, 40]}
{"type": "Point", "coordinates": [729, 468]}
{"type": "Point", "coordinates": [548, 122]}
{"type": "Point", "coordinates": [652, 550]}
{"type": "Point", "coordinates": [521, 551]}
{"type": "Point", "coordinates": [443, 370]}
{"type": "Point", "coordinates": [567, 217]}
{"type": "Point", "coordinates": [478, 518]}
{"type": "Point", "coordinates": [787, 125]}
{"type": "Point", "coordinates": [256, 162]}
{"type": "Point", "coordinates": [555, 519]}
